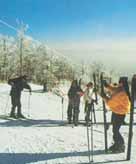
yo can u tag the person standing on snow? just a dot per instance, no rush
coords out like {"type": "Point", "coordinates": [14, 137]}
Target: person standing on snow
{"type": "Point", "coordinates": [74, 94]}
{"type": "Point", "coordinates": [88, 98]}
{"type": "Point", "coordinates": [17, 85]}
{"type": "Point", "coordinates": [119, 103]}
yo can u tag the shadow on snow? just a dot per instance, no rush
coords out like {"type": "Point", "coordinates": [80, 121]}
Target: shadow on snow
{"type": "Point", "coordinates": [31, 122]}
{"type": "Point", "coordinates": [23, 158]}
{"type": "Point", "coordinates": [9, 122]}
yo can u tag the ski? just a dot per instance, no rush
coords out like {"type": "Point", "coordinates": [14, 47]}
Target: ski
{"type": "Point", "coordinates": [7, 117]}
{"type": "Point", "coordinates": [104, 114]}
{"type": "Point", "coordinates": [133, 94]}
{"type": "Point", "coordinates": [62, 107]}
{"type": "Point", "coordinates": [88, 143]}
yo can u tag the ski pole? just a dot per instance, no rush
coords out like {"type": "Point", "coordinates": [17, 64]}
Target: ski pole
{"type": "Point", "coordinates": [88, 138]}
{"type": "Point", "coordinates": [104, 115]}
{"type": "Point", "coordinates": [131, 119]}
{"type": "Point", "coordinates": [29, 105]}
{"type": "Point", "coordinates": [62, 102]}
{"type": "Point", "coordinates": [93, 109]}
{"type": "Point", "coordinates": [92, 135]}
{"type": "Point", "coordinates": [88, 142]}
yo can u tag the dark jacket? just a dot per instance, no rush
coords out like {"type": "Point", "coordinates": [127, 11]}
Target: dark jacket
{"type": "Point", "coordinates": [73, 91]}
{"type": "Point", "coordinates": [74, 96]}
{"type": "Point", "coordinates": [18, 84]}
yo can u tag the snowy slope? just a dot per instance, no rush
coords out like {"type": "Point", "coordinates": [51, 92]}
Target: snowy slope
{"type": "Point", "coordinates": [43, 138]}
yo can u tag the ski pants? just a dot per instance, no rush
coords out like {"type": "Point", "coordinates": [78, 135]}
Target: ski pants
{"type": "Point", "coordinates": [15, 100]}
{"type": "Point", "coordinates": [73, 110]}
{"type": "Point", "coordinates": [86, 106]}
{"type": "Point", "coordinates": [117, 121]}
{"type": "Point", "coordinates": [88, 110]}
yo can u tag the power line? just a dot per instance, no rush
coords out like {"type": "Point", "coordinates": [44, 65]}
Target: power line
{"type": "Point", "coordinates": [8, 25]}
{"type": "Point", "coordinates": [21, 33]}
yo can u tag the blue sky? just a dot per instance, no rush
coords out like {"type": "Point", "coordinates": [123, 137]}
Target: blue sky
{"type": "Point", "coordinates": [102, 30]}
{"type": "Point", "coordinates": [66, 20]}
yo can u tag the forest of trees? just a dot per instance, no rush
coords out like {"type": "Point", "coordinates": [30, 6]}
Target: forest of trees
{"type": "Point", "coordinates": [33, 59]}
{"type": "Point", "coordinates": [24, 55]}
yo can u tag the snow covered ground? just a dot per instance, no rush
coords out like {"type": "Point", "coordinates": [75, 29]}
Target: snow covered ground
{"type": "Point", "coordinates": [43, 138]}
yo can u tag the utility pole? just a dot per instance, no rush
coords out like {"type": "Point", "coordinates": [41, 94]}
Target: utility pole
{"type": "Point", "coordinates": [21, 55]}
{"type": "Point", "coordinates": [21, 33]}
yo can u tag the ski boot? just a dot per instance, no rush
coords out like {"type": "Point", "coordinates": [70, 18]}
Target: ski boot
{"type": "Point", "coordinates": [75, 120]}
{"type": "Point", "coordinates": [117, 148]}
{"type": "Point", "coordinates": [69, 121]}
{"type": "Point", "coordinates": [12, 115]}
{"type": "Point", "coordinates": [20, 116]}
{"type": "Point", "coordinates": [121, 148]}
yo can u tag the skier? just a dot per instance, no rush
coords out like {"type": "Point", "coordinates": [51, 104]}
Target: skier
{"type": "Point", "coordinates": [17, 85]}
{"type": "Point", "coordinates": [74, 94]}
{"type": "Point", "coordinates": [88, 98]}
{"type": "Point", "coordinates": [118, 101]}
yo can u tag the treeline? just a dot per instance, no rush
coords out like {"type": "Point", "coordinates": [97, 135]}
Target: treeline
{"type": "Point", "coordinates": [24, 55]}
{"type": "Point", "coordinates": [34, 59]}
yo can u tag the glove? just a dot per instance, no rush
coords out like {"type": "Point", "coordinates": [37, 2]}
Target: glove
{"type": "Point", "coordinates": [103, 95]}
{"type": "Point", "coordinates": [80, 93]}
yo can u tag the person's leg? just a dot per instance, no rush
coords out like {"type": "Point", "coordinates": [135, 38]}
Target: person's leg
{"type": "Point", "coordinates": [13, 102]}
{"type": "Point", "coordinates": [117, 137]}
{"type": "Point", "coordinates": [76, 115]}
{"type": "Point", "coordinates": [89, 109]}
{"type": "Point", "coordinates": [69, 112]}
{"type": "Point", "coordinates": [19, 112]}
{"type": "Point", "coordinates": [76, 111]}
{"type": "Point", "coordinates": [86, 106]}
{"type": "Point", "coordinates": [117, 121]}
{"type": "Point", "coordinates": [86, 111]}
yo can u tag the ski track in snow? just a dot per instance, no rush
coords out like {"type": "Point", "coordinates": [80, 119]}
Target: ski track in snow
{"type": "Point", "coordinates": [42, 139]}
